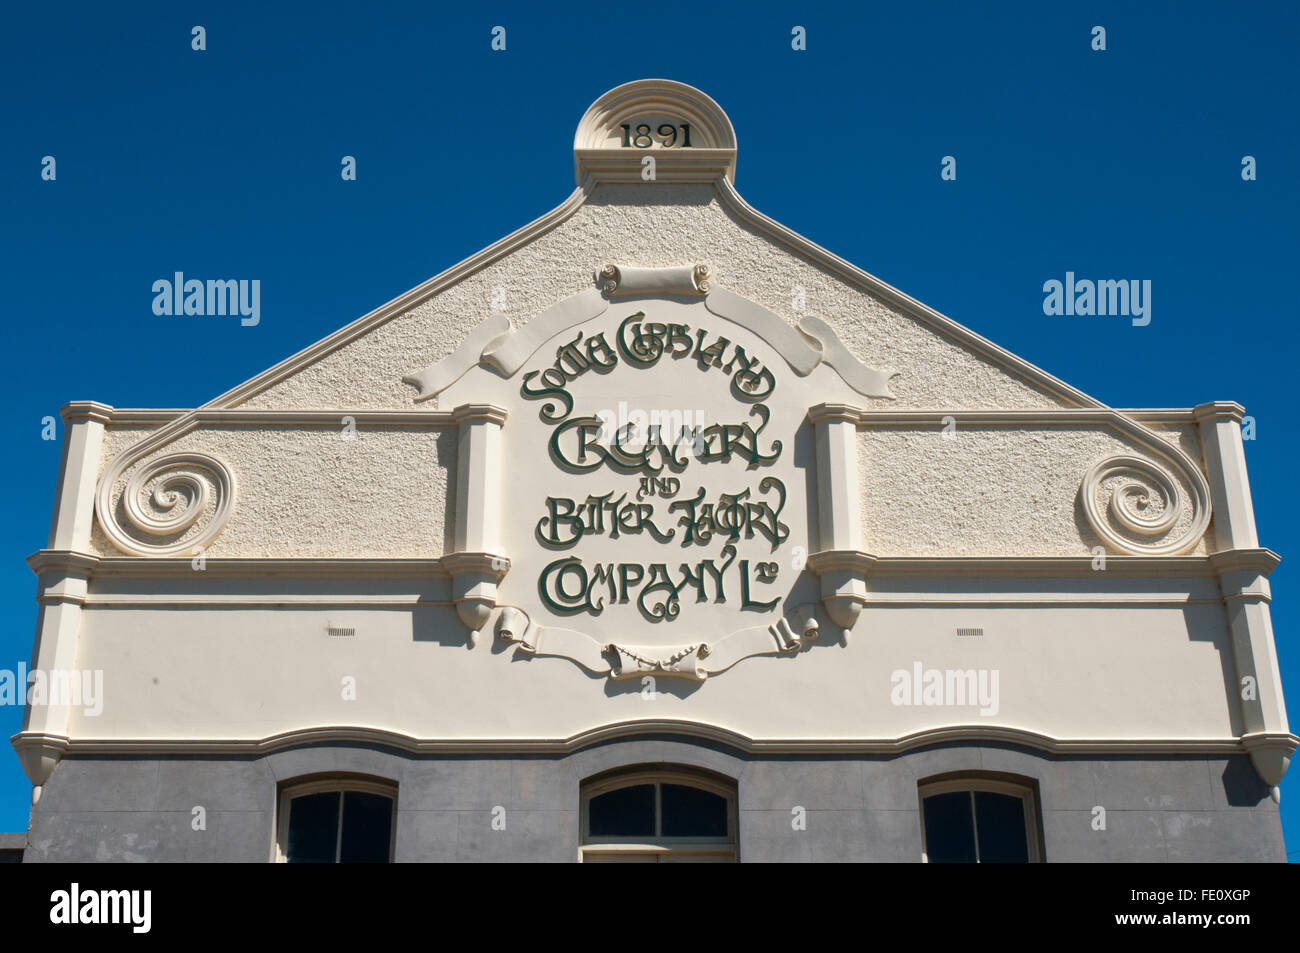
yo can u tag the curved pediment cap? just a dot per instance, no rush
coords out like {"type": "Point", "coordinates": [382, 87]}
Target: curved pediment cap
{"type": "Point", "coordinates": [687, 134]}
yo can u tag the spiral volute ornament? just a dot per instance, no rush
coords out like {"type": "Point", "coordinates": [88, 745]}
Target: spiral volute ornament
{"type": "Point", "coordinates": [163, 501]}
{"type": "Point", "coordinates": [701, 275]}
{"type": "Point", "coordinates": [1138, 507]}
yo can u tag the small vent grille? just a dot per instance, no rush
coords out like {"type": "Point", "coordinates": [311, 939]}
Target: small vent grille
{"type": "Point", "coordinates": [339, 632]}
{"type": "Point", "coordinates": [969, 632]}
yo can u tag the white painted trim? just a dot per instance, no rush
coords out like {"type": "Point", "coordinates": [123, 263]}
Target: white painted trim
{"type": "Point", "coordinates": [872, 417]}
{"type": "Point", "coordinates": [404, 302]}
{"type": "Point", "coordinates": [342, 784]}
{"type": "Point", "coordinates": [604, 783]}
{"type": "Point", "coordinates": [1066, 566]}
{"type": "Point", "coordinates": [306, 418]}
{"type": "Point", "coordinates": [57, 561]}
{"type": "Point", "coordinates": [119, 416]}
{"type": "Point", "coordinates": [192, 601]}
{"type": "Point", "coordinates": [976, 782]}
{"type": "Point", "coordinates": [854, 275]}
{"type": "Point", "coordinates": [344, 734]}
{"type": "Point", "coordinates": [1260, 560]}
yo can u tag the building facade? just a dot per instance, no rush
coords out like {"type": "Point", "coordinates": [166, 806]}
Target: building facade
{"type": "Point", "coordinates": [654, 532]}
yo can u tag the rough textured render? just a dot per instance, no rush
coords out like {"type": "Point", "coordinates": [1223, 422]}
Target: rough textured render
{"type": "Point", "coordinates": [988, 491]}
{"type": "Point", "coordinates": [120, 437]}
{"type": "Point", "coordinates": [1186, 437]}
{"type": "Point", "coordinates": [680, 224]}
{"type": "Point", "coordinates": [306, 491]}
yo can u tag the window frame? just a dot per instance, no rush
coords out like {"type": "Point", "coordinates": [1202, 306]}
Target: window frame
{"type": "Point", "coordinates": [1026, 791]}
{"type": "Point", "coordinates": [725, 848]}
{"type": "Point", "coordinates": [289, 791]}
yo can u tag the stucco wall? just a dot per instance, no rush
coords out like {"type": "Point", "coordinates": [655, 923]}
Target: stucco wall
{"type": "Point", "coordinates": [306, 491]}
{"type": "Point", "coordinates": [653, 225]}
{"type": "Point", "coordinates": [985, 490]}
{"type": "Point", "coordinates": [1074, 658]}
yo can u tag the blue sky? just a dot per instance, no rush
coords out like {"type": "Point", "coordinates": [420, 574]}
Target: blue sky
{"type": "Point", "coordinates": [1117, 164]}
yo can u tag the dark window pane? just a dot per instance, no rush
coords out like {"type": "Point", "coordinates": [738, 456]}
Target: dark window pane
{"type": "Point", "coordinates": [367, 828]}
{"type": "Point", "coordinates": [627, 812]}
{"type": "Point", "coordinates": [949, 831]}
{"type": "Point", "coordinates": [313, 828]}
{"type": "Point", "coordinates": [1001, 821]}
{"type": "Point", "coordinates": [690, 812]}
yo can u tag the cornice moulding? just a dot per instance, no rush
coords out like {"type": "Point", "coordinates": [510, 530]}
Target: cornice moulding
{"type": "Point", "coordinates": [1261, 560]}
{"type": "Point", "coordinates": [404, 302]}
{"type": "Point", "coordinates": [332, 601]}
{"type": "Point", "coordinates": [1043, 566]}
{"type": "Point", "coordinates": [325, 417]}
{"type": "Point", "coordinates": [493, 564]}
{"type": "Point", "coordinates": [854, 275]}
{"type": "Point", "coordinates": [694, 166]}
{"type": "Point", "coordinates": [954, 734]}
{"type": "Point", "coordinates": [489, 413]}
{"type": "Point", "coordinates": [1159, 415]}
{"type": "Point", "coordinates": [870, 417]}
{"type": "Point", "coordinates": [47, 560]}
{"type": "Point", "coordinates": [328, 416]}
{"type": "Point", "coordinates": [1219, 410]}
{"type": "Point", "coordinates": [77, 410]}
{"type": "Point", "coordinates": [821, 412]}
{"type": "Point", "coordinates": [844, 560]}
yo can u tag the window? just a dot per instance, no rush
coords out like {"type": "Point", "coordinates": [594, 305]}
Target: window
{"type": "Point", "coordinates": [337, 821]}
{"type": "Point", "coordinates": [979, 821]}
{"type": "Point", "coordinates": [659, 816]}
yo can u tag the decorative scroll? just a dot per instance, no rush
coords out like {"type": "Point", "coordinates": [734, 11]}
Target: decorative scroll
{"type": "Point", "coordinates": [801, 352]}
{"type": "Point", "coordinates": [787, 636]}
{"type": "Point", "coordinates": [682, 660]}
{"type": "Point", "coordinates": [495, 345]}
{"type": "Point", "coordinates": [685, 280]}
{"type": "Point", "coordinates": [865, 380]}
{"type": "Point", "coordinates": [515, 626]}
{"type": "Point", "coordinates": [162, 500]}
{"type": "Point", "coordinates": [1137, 507]}
{"type": "Point", "coordinates": [438, 377]}
{"type": "Point", "coordinates": [508, 352]}
{"type": "Point", "coordinates": [695, 661]}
